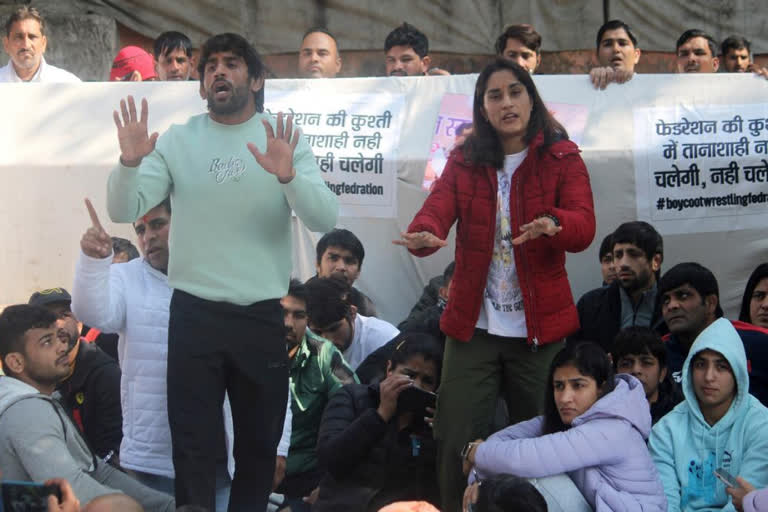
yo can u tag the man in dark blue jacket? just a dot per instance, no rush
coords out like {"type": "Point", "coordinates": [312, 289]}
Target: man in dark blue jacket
{"type": "Point", "coordinates": [630, 300]}
{"type": "Point", "coordinates": [690, 302]}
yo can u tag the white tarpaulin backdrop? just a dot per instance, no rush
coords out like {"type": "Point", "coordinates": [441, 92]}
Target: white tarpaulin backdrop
{"type": "Point", "coordinates": [58, 145]}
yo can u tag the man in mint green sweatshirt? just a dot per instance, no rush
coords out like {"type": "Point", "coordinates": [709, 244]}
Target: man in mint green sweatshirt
{"type": "Point", "coordinates": [233, 176]}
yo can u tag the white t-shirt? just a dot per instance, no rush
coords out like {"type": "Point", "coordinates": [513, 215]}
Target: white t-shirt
{"type": "Point", "coordinates": [370, 334]}
{"type": "Point", "coordinates": [45, 73]}
{"type": "Point", "coordinates": [502, 310]}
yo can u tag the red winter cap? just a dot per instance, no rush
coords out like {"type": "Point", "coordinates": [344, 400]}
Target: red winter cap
{"type": "Point", "coordinates": [129, 59]}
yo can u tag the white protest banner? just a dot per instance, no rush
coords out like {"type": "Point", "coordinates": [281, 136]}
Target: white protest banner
{"type": "Point", "coordinates": [355, 138]}
{"type": "Point", "coordinates": [702, 169]}
{"type": "Point", "coordinates": [58, 145]}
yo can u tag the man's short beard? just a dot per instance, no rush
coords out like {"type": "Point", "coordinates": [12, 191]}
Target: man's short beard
{"type": "Point", "coordinates": [640, 282]}
{"type": "Point", "coordinates": [236, 103]}
{"type": "Point", "coordinates": [45, 380]}
{"type": "Point", "coordinates": [29, 63]}
{"type": "Point", "coordinates": [343, 276]}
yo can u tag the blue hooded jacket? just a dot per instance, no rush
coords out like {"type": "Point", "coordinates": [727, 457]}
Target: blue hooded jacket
{"type": "Point", "coordinates": [687, 450]}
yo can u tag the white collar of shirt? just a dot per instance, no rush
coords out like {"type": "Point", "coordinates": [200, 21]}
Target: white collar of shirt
{"type": "Point", "coordinates": [14, 77]}
{"type": "Point", "coordinates": [153, 271]}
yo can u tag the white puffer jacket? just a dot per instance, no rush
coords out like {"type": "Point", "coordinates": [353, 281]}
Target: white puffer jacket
{"type": "Point", "coordinates": [133, 299]}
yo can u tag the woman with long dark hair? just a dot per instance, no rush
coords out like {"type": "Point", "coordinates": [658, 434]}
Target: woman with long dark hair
{"type": "Point", "coordinates": [754, 304]}
{"type": "Point", "coordinates": [594, 429]}
{"type": "Point", "coordinates": [519, 194]}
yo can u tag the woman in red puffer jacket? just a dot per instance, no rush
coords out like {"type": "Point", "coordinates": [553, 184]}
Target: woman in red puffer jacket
{"type": "Point", "coordinates": [519, 193]}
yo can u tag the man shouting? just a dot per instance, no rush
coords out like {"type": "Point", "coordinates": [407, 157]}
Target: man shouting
{"type": "Point", "coordinates": [233, 175]}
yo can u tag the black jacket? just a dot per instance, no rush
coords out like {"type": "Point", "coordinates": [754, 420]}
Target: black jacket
{"type": "Point", "coordinates": [106, 342]}
{"type": "Point", "coordinates": [429, 298]}
{"type": "Point", "coordinates": [669, 396]}
{"type": "Point", "coordinates": [427, 320]}
{"type": "Point", "coordinates": [91, 395]}
{"type": "Point", "coordinates": [600, 316]}
{"type": "Point", "coordinates": [374, 366]}
{"type": "Point", "coordinates": [362, 302]}
{"type": "Point", "coordinates": [368, 462]}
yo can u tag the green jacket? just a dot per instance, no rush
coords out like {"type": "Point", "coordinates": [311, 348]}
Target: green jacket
{"type": "Point", "coordinates": [317, 371]}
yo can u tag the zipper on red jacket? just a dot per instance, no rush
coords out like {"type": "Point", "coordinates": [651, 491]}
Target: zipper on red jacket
{"type": "Point", "coordinates": [534, 343]}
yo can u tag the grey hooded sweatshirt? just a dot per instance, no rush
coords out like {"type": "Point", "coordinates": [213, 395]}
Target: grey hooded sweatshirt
{"type": "Point", "coordinates": [38, 441]}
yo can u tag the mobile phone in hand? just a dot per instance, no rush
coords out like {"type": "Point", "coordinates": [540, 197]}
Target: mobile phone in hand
{"type": "Point", "coordinates": [728, 479]}
{"type": "Point", "coordinates": [415, 399]}
{"type": "Point", "coordinates": [26, 496]}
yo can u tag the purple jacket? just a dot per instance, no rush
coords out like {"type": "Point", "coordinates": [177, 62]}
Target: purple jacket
{"type": "Point", "coordinates": [604, 452]}
{"type": "Point", "coordinates": [756, 501]}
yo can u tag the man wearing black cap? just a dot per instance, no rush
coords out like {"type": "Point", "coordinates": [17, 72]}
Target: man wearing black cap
{"type": "Point", "coordinates": [91, 392]}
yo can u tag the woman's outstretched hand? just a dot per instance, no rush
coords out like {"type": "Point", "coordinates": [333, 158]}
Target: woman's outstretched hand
{"type": "Point", "coordinates": [419, 240]}
{"type": "Point", "coordinates": [533, 230]}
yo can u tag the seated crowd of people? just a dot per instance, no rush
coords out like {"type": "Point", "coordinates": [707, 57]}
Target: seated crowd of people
{"type": "Point", "coordinates": [656, 403]}
{"type": "Point", "coordinates": [665, 391]}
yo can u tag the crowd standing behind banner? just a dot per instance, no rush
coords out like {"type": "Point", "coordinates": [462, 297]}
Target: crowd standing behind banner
{"type": "Point", "coordinates": [198, 325]}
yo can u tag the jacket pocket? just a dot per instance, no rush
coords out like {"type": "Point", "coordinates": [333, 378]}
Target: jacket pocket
{"type": "Point", "coordinates": [476, 233]}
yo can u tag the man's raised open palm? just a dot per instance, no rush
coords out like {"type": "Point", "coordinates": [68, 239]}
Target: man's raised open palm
{"type": "Point", "coordinates": [135, 141]}
{"type": "Point", "coordinates": [278, 158]}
